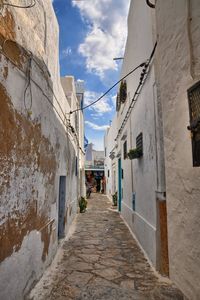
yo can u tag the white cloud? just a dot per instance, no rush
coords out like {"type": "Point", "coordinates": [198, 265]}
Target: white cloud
{"type": "Point", "coordinates": [95, 126]}
{"type": "Point", "coordinates": [66, 52]}
{"type": "Point", "coordinates": [101, 107]}
{"type": "Point", "coordinates": [107, 29]}
{"type": "Point", "coordinates": [98, 143]}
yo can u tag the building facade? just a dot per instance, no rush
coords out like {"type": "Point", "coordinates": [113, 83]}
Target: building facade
{"type": "Point", "coordinates": [38, 148]}
{"type": "Point", "coordinates": [74, 92]}
{"type": "Point", "coordinates": [110, 164]}
{"type": "Point", "coordinates": [94, 169]}
{"type": "Point", "coordinates": [158, 118]}
{"type": "Point", "coordinates": [178, 73]}
{"type": "Point", "coordinates": [140, 183]}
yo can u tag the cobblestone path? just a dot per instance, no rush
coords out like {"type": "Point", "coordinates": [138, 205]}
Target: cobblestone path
{"type": "Point", "coordinates": [101, 260]}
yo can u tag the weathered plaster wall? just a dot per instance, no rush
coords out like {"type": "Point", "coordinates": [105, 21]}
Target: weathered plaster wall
{"type": "Point", "coordinates": [140, 175]}
{"type": "Point", "coordinates": [178, 57]}
{"type": "Point", "coordinates": [34, 147]}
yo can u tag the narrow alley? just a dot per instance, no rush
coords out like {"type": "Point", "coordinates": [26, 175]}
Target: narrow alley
{"type": "Point", "coordinates": [101, 260]}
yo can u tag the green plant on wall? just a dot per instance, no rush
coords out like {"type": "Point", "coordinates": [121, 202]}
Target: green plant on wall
{"type": "Point", "coordinates": [123, 91]}
{"type": "Point", "coordinates": [135, 153]}
{"type": "Point", "coordinates": [82, 204]}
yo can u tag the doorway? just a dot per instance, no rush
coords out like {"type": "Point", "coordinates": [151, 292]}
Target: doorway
{"type": "Point", "coordinates": [61, 207]}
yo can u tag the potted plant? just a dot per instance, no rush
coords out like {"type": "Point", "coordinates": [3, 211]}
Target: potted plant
{"type": "Point", "coordinates": [114, 198]}
{"type": "Point", "coordinates": [82, 204]}
{"type": "Point", "coordinates": [135, 153]}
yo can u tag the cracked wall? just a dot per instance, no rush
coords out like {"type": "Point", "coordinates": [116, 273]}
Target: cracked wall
{"type": "Point", "coordinates": [35, 149]}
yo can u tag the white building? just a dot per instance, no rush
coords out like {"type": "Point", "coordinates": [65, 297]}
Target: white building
{"type": "Point", "coordinates": [74, 92]}
{"type": "Point", "coordinates": [158, 195]}
{"type": "Point", "coordinates": [110, 164]}
{"type": "Point", "coordinates": [141, 184]}
{"type": "Point", "coordinates": [38, 149]}
{"type": "Point", "coordinates": [178, 73]}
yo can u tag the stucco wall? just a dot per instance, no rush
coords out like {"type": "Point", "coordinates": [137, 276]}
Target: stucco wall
{"type": "Point", "coordinates": [178, 56]}
{"type": "Point", "coordinates": [140, 175]}
{"type": "Point", "coordinates": [34, 147]}
{"type": "Point", "coordinates": [110, 164]}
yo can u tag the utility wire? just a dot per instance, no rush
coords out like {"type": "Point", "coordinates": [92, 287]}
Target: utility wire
{"type": "Point", "coordinates": [33, 3]}
{"type": "Point", "coordinates": [140, 66]}
{"type": "Point", "coordinates": [28, 85]}
{"type": "Point", "coordinates": [27, 74]}
{"type": "Point", "coordinates": [30, 55]}
{"type": "Point", "coordinates": [143, 77]}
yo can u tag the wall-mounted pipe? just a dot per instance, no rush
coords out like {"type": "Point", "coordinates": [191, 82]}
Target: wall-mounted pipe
{"type": "Point", "coordinates": [150, 4]}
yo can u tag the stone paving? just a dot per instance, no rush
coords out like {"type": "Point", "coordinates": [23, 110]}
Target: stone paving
{"type": "Point", "coordinates": [102, 261]}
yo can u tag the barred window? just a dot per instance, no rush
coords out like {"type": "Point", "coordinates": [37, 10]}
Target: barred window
{"type": "Point", "coordinates": [194, 127]}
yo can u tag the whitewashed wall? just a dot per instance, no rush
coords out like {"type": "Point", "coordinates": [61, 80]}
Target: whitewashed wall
{"type": "Point", "coordinates": [140, 175]}
{"type": "Point", "coordinates": [34, 148]}
{"type": "Point", "coordinates": [178, 54]}
{"type": "Point", "coordinates": [111, 164]}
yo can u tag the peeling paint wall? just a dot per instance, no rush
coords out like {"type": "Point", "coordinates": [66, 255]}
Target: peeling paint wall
{"type": "Point", "coordinates": [35, 147]}
{"type": "Point", "coordinates": [178, 57]}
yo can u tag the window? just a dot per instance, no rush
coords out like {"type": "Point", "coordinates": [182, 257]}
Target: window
{"type": "Point", "coordinates": [139, 143]}
{"type": "Point", "coordinates": [105, 152]}
{"type": "Point", "coordinates": [125, 149]}
{"type": "Point", "coordinates": [108, 173]}
{"type": "Point", "coordinates": [194, 127]}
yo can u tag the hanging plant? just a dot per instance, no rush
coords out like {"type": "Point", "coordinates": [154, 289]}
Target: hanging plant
{"type": "Point", "coordinates": [118, 103]}
{"type": "Point", "coordinates": [135, 153]}
{"type": "Point", "coordinates": [123, 91]}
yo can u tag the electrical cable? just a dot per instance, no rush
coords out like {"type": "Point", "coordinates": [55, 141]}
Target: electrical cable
{"type": "Point", "coordinates": [2, 50]}
{"type": "Point", "coordinates": [33, 3]}
{"type": "Point", "coordinates": [94, 102]}
{"type": "Point", "coordinates": [33, 59]}
{"type": "Point", "coordinates": [143, 77]}
{"type": "Point", "coordinates": [28, 86]}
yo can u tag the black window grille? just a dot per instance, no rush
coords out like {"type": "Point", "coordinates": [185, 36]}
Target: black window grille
{"type": "Point", "coordinates": [139, 143]}
{"type": "Point", "coordinates": [194, 110]}
{"type": "Point", "coordinates": [125, 149]}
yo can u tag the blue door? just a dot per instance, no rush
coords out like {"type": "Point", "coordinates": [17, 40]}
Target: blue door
{"type": "Point", "coordinates": [119, 184]}
{"type": "Point", "coordinates": [61, 207]}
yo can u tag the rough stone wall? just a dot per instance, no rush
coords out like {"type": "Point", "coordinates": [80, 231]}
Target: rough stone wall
{"type": "Point", "coordinates": [178, 57]}
{"type": "Point", "coordinates": [35, 149]}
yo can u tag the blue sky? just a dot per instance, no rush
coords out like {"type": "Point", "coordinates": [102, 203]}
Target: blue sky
{"type": "Point", "coordinates": [92, 33]}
